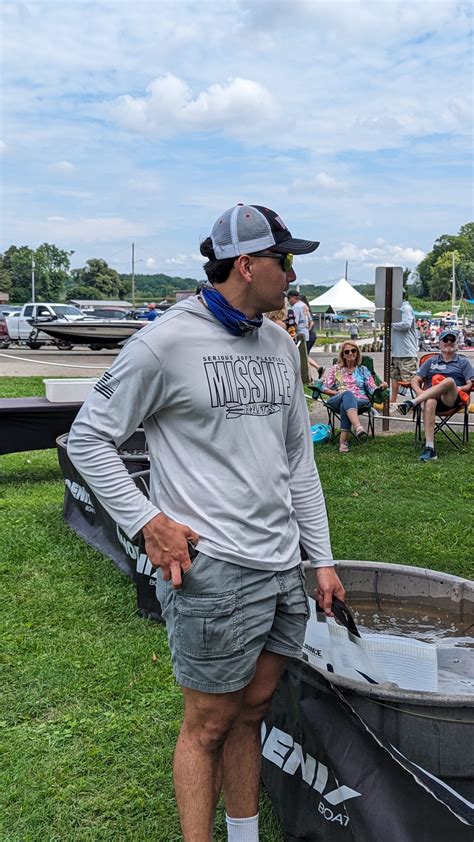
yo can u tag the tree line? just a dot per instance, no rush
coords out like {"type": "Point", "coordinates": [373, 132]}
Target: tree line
{"type": "Point", "coordinates": [55, 280]}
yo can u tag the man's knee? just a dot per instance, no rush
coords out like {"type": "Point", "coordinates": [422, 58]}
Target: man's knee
{"type": "Point", "coordinates": [211, 733]}
{"type": "Point", "coordinates": [448, 384]}
{"type": "Point", "coordinates": [429, 406]}
{"type": "Point", "coordinates": [208, 722]}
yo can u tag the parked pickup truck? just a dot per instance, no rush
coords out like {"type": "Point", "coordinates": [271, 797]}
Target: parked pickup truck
{"type": "Point", "coordinates": [21, 328]}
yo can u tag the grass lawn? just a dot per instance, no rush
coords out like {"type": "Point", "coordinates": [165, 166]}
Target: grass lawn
{"type": "Point", "coordinates": [89, 711]}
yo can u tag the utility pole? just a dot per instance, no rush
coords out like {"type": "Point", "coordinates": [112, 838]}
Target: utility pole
{"type": "Point", "coordinates": [133, 275]}
{"type": "Point", "coordinates": [453, 288]}
{"type": "Point", "coordinates": [345, 274]}
{"type": "Point", "coordinates": [33, 278]}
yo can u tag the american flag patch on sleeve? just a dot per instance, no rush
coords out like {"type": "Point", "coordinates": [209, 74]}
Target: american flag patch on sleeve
{"type": "Point", "coordinates": [107, 385]}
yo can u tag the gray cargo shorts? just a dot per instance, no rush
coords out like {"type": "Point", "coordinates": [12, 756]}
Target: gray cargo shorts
{"type": "Point", "coordinates": [224, 615]}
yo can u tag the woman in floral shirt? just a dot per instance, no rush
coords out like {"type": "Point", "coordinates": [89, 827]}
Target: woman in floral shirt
{"type": "Point", "coordinates": [351, 387]}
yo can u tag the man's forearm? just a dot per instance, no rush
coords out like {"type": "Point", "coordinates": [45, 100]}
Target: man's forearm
{"type": "Point", "coordinates": [415, 384]}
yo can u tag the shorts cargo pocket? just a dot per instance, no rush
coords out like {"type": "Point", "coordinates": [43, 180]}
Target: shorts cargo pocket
{"type": "Point", "coordinates": [209, 627]}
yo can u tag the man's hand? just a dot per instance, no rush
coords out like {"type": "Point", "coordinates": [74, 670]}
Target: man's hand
{"type": "Point", "coordinates": [166, 543]}
{"type": "Point", "coordinates": [329, 586]}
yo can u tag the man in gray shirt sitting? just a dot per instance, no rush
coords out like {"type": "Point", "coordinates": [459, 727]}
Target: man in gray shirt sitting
{"type": "Point", "coordinates": [448, 377]}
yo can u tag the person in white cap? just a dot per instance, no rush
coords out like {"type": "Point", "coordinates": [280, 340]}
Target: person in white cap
{"type": "Point", "coordinates": [234, 491]}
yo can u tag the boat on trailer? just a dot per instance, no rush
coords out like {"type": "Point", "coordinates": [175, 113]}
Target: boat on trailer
{"type": "Point", "coordinates": [96, 333]}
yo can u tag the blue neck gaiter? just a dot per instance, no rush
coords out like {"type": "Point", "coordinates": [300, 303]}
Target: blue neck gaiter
{"type": "Point", "coordinates": [237, 323]}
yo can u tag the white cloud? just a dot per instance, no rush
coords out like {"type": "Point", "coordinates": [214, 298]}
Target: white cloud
{"type": "Point", "coordinates": [382, 254]}
{"type": "Point", "coordinates": [178, 259]}
{"type": "Point", "coordinates": [241, 107]}
{"type": "Point", "coordinates": [354, 126]}
{"type": "Point", "coordinates": [150, 262]}
{"type": "Point", "coordinates": [62, 167]}
{"type": "Point", "coordinates": [86, 230]}
{"type": "Point", "coordinates": [321, 181]}
{"type": "Point", "coordinates": [3, 148]}
{"type": "Point", "coordinates": [146, 185]}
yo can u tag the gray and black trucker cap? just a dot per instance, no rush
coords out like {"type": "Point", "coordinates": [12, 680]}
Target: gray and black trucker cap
{"type": "Point", "coordinates": [245, 229]}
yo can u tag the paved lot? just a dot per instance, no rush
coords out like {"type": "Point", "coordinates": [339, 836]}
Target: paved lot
{"type": "Point", "coordinates": [51, 362]}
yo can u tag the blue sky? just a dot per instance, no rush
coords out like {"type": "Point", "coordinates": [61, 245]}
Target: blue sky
{"type": "Point", "coordinates": [142, 122]}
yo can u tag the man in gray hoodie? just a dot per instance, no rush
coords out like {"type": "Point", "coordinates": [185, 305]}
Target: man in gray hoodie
{"type": "Point", "coordinates": [234, 490]}
{"type": "Point", "coordinates": [404, 350]}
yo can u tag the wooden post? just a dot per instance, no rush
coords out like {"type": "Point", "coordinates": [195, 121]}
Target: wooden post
{"type": "Point", "coordinates": [387, 342]}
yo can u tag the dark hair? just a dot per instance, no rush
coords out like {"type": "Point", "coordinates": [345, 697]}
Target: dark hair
{"type": "Point", "coordinates": [217, 271]}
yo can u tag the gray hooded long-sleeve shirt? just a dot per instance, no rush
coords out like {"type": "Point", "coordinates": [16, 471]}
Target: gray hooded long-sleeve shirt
{"type": "Point", "coordinates": [228, 433]}
{"type": "Point", "coordinates": [404, 336]}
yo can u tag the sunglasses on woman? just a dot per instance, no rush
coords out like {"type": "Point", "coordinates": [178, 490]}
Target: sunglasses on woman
{"type": "Point", "coordinates": [286, 260]}
{"type": "Point", "coordinates": [350, 351]}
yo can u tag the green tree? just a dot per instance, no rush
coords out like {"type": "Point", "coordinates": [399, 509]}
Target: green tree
{"type": "Point", "coordinates": [20, 261]}
{"type": "Point", "coordinates": [52, 271]}
{"type": "Point", "coordinates": [84, 293]}
{"type": "Point", "coordinates": [5, 272]}
{"type": "Point", "coordinates": [441, 276]}
{"type": "Point", "coordinates": [98, 274]}
{"type": "Point", "coordinates": [433, 272]}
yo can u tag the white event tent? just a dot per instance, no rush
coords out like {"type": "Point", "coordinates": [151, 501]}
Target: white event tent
{"type": "Point", "coordinates": [343, 296]}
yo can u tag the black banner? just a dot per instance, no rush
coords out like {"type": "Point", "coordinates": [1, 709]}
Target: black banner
{"type": "Point", "coordinates": [86, 516]}
{"type": "Point", "coordinates": [329, 777]}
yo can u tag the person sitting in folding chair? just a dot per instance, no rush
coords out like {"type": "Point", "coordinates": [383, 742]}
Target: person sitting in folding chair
{"type": "Point", "coordinates": [351, 386]}
{"type": "Point", "coordinates": [448, 378]}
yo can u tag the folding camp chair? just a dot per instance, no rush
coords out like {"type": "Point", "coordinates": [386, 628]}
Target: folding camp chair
{"type": "Point", "coordinates": [442, 419]}
{"type": "Point", "coordinates": [368, 410]}
{"type": "Point", "coordinates": [405, 388]}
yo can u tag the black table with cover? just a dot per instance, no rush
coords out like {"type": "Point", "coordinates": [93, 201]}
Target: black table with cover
{"type": "Point", "coordinates": [33, 423]}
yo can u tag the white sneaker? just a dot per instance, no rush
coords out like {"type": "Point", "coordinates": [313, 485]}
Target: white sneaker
{"type": "Point", "coordinates": [393, 408]}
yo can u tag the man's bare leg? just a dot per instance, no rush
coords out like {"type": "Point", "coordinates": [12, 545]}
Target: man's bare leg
{"type": "Point", "coordinates": [242, 748]}
{"type": "Point", "coordinates": [429, 417]}
{"type": "Point", "coordinates": [197, 767]}
{"type": "Point", "coordinates": [446, 389]}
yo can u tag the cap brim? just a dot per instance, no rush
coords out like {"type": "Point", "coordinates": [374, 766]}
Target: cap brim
{"type": "Point", "coordinates": [294, 246]}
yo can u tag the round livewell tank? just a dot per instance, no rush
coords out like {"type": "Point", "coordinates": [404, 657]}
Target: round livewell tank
{"type": "Point", "coordinates": [434, 730]}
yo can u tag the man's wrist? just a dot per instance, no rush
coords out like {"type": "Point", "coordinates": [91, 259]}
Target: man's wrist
{"type": "Point", "coordinates": [147, 528]}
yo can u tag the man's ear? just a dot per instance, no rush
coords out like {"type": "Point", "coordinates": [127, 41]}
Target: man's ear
{"type": "Point", "coordinates": [243, 264]}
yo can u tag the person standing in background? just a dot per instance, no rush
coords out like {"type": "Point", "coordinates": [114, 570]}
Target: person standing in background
{"type": "Point", "coordinates": [301, 313]}
{"type": "Point", "coordinates": [404, 350]}
{"type": "Point", "coordinates": [312, 333]}
{"type": "Point", "coordinates": [152, 314]}
{"type": "Point", "coordinates": [353, 331]}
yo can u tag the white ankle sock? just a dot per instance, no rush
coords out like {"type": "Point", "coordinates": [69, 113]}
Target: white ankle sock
{"type": "Point", "coordinates": [242, 830]}
{"type": "Point", "coordinates": [430, 444]}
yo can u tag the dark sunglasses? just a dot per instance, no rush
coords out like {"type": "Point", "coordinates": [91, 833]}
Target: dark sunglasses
{"type": "Point", "coordinates": [286, 260]}
{"type": "Point", "coordinates": [350, 351]}
{"type": "Point", "coordinates": [451, 339]}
